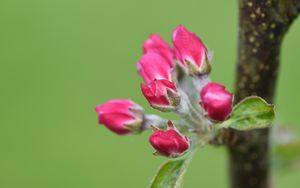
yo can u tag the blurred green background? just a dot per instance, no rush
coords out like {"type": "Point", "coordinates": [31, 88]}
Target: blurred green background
{"type": "Point", "coordinates": [60, 58]}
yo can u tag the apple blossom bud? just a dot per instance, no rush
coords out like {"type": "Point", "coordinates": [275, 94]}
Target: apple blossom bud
{"type": "Point", "coordinates": [156, 44]}
{"type": "Point", "coordinates": [216, 101]}
{"type": "Point", "coordinates": [190, 51]}
{"type": "Point", "coordinates": [154, 66]}
{"type": "Point", "coordinates": [169, 142]}
{"type": "Point", "coordinates": [121, 116]}
{"type": "Point", "coordinates": [161, 94]}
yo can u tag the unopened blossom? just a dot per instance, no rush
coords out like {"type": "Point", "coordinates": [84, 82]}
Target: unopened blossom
{"type": "Point", "coordinates": [190, 51]}
{"type": "Point", "coordinates": [153, 66]}
{"type": "Point", "coordinates": [157, 45]}
{"type": "Point", "coordinates": [216, 101]}
{"type": "Point", "coordinates": [161, 94]}
{"type": "Point", "coordinates": [121, 116]}
{"type": "Point", "coordinates": [170, 142]}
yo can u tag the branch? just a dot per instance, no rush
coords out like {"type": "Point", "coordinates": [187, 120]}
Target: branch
{"type": "Point", "coordinates": [262, 27]}
{"type": "Point", "coordinates": [294, 7]}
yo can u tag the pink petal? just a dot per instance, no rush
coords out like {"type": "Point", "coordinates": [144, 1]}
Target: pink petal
{"type": "Point", "coordinates": [169, 142]}
{"type": "Point", "coordinates": [156, 92]}
{"type": "Point", "coordinates": [153, 66]}
{"type": "Point", "coordinates": [216, 101]}
{"type": "Point", "coordinates": [157, 45]}
{"type": "Point", "coordinates": [188, 47]}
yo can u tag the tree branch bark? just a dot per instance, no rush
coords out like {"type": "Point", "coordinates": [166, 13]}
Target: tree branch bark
{"type": "Point", "coordinates": [262, 26]}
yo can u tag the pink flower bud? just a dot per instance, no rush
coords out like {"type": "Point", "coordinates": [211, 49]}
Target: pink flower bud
{"type": "Point", "coordinates": [121, 116]}
{"type": "Point", "coordinates": [161, 94]}
{"type": "Point", "coordinates": [169, 142]}
{"type": "Point", "coordinates": [216, 101]}
{"type": "Point", "coordinates": [154, 66]}
{"type": "Point", "coordinates": [156, 44]}
{"type": "Point", "coordinates": [190, 51]}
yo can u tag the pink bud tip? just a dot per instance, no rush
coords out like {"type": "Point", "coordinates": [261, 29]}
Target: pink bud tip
{"type": "Point", "coordinates": [154, 66]}
{"type": "Point", "coordinates": [120, 116]}
{"type": "Point", "coordinates": [216, 101]}
{"type": "Point", "coordinates": [161, 94]}
{"type": "Point", "coordinates": [157, 45]}
{"type": "Point", "coordinates": [189, 49]}
{"type": "Point", "coordinates": [169, 142]}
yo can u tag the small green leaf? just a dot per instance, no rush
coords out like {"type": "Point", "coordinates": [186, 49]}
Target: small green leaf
{"type": "Point", "coordinates": [170, 173]}
{"type": "Point", "coordinates": [250, 113]}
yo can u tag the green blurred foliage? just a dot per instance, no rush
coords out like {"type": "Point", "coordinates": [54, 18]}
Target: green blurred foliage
{"type": "Point", "coordinates": [60, 58]}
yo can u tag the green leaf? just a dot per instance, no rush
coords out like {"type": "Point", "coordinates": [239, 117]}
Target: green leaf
{"type": "Point", "coordinates": [170, 173]}
{"type": "Point", "coordinates": [251, 113]}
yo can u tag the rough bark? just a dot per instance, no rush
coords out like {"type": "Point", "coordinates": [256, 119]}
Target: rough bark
{"type": "Point", "coordinates": [262, 26]}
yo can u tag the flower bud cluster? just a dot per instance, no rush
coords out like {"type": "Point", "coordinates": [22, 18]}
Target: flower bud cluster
{"type": "Point", "coordinates": [164, 90]}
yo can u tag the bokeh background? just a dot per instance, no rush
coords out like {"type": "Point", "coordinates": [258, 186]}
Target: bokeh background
{"type": "Point", "coordinates": [60, 58]}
